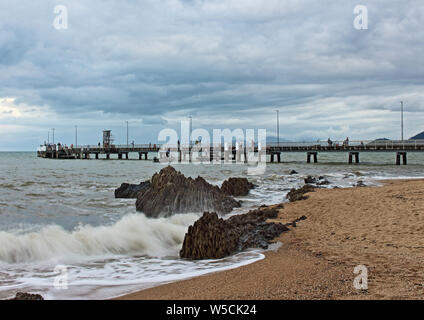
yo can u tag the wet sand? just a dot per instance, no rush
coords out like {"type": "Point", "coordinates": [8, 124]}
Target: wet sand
{"type": "Point", "coordinates": [379, 227]}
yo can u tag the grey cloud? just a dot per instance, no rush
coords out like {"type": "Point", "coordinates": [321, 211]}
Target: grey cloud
{"type": "Point", "coordinates": [150, 60]}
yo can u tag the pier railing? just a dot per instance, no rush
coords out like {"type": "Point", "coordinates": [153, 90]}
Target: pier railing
{"type": "Point", "coordinates": [283, 145]}
{"type": "Point", "coordinates": [357, 144]}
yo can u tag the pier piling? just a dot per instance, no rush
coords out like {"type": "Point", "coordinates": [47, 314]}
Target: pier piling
{"type": "Point", "coordinates": [400, 155]}
{"type": "Point", "coordinates": [308, 157]}
{"type": "Point", "coordinates": [353, 154]}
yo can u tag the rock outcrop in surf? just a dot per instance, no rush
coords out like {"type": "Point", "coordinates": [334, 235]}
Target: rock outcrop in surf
{"type": "Point", "coordinates": [131, 191]}
{"type": "Point", "coordinates": [27, 296]}
{"type": "Point", "coordinates": [299, 194]}
{"type": "Point", "coordinates": [321, 181]}
{"type": "Point", "coordinates": [212, 237]}
{"type": "Point", "coordinates": [171, 192]}
{"type": "Point", "coordinates": [237, 187]}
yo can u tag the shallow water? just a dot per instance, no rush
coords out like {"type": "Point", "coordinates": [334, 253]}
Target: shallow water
{"type": "Point", "coordinates": [63, 212]}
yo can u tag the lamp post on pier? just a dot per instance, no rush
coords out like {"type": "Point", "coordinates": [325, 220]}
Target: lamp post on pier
{"type": "Point", "coordinates": [127, 134]}
{"type": "Point", "coordinates": [191, 129]}
{"type": "Point", "coordinates": [76, 136]}
{"type": "Point", "coordinates": [278, 127]}
{"type": "Point", "coordinates": [401, 119]}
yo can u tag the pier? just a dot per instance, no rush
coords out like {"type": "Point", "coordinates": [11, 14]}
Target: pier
{"type": "Point", "coordinates": [234, 153]}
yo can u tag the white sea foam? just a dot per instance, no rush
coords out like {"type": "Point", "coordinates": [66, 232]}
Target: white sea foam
{"type": "Point", "coordinates": [395, 177]}
{"type": "Point", "coordinates": [133, 234]}
{"type": "Point", "coordinates": [115, 276]}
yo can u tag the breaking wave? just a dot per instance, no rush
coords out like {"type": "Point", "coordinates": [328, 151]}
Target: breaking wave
{"type": "Point", "coordinates": [133, 234]}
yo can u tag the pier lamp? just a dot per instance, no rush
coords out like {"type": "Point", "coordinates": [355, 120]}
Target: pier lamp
{"type": "Point", "coordinates": [127, 134]}
{"type": "Point", "coordinates": [278, 127]}
{"type": "Point", "coordinates": [401, 120]}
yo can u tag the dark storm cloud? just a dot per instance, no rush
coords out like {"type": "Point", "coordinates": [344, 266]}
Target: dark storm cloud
{"type": "Point", "coordinates": [157, 59]}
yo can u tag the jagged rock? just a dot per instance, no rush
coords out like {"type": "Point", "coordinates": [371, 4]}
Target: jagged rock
{"type": "Point", "coordinates": [323, 182]}
{"type": "Point", "coordinates": [294, 223]}
{"type": "Point", "coordinates": [279, 206]}
{"type": "Point", "coordinates": [360, 183]}
{"type": "Point", "coordinates": [130, 191]}
{"type": "Point", "coordinates": [171, 192]}
{"type": "Point", "coordinates": [209, 238]}
{"type": "Point", "coordinates": [310, 179]}
{"type": "Point", "coordinates": [212, 237]}
{"type": "Point", "coordinates": [299, 194]}
{"type": "Point", "coordinates": [293, 172]}
{"type": "Point", "coordinates": [237, 187]}
{"type": "Point", "coordinates": [27, 296]}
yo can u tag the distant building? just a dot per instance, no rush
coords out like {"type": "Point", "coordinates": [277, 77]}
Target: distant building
{"type": "Point", "coordinates": [107, 139]}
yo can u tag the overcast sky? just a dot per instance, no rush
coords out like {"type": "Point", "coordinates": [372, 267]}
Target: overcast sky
{"type": "Point", "coordinates": [228, 63]}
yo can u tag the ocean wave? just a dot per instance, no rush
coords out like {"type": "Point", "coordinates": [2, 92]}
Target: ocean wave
{"type": "Point", "coordinates": [133, 234]}
{"type": "Point", "coordinates": [9, 187]}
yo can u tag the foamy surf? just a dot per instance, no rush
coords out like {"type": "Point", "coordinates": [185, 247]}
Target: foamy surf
{"type": "Point", "coordinates": [131, 254]}
{"type": "Point", "coordinates": [133, 234]}
{"type": "Point", "coordinates": [114, 276]}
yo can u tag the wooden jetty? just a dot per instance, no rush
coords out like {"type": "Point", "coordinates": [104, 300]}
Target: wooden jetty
{"type": "Point", "coordinates": [234, 153]}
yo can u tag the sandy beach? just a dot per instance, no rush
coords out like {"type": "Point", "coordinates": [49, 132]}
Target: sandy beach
{"type": "Point", "coordinates": [379, 227]}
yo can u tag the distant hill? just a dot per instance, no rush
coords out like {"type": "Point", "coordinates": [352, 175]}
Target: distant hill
{"type": "Point", "coordinates": [378, 141]}
{"type": "Point", "coordinates": [419, 136]}
{"type": "Point", "coordinates": [274, 139]}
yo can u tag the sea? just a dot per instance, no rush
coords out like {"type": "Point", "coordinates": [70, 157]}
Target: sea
{"type": "Point", "coordinates": [64, 235]}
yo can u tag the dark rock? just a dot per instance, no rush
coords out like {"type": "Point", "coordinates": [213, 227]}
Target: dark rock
{"type": "Point", "coordinates": [212, 237]}
{"type": "Point", "coordinates": [279, 206]}
{"type": "Point", "coordinates": [299, 194]}
{"type": "Point", "coordinates": [323, 182]}
{"type": "Point", "coordinates": [360, 183]}
{"type": "Point", "coordinates": [130, 191]}
{"type": "Point", "coordinates": [294, 222]}
{"type": "Point", "coordinates": [237, 187]}
{"type": "Point", "coordinates": [209, 238]}
{"type": "Point", "coordinates": [310, 179]}
{"type": "Point", "coordinates": [293, 172]}
{"type": "Point", "coordinates": [171, 192]}
{"type": "Point", "coordinates": [27, 296]}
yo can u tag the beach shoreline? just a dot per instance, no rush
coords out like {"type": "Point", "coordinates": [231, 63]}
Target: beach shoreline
{"type": "Point", "coordinates": [377, 227]}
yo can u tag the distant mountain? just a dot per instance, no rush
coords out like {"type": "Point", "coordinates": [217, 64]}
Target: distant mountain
{"type": "Point", "coordinates": [274, 139]}
{"type": "Point", "coordinates": [419, 136]}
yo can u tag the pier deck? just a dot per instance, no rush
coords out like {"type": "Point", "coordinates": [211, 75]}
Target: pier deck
{"type": "Point", "coordinates": [235, 153]}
